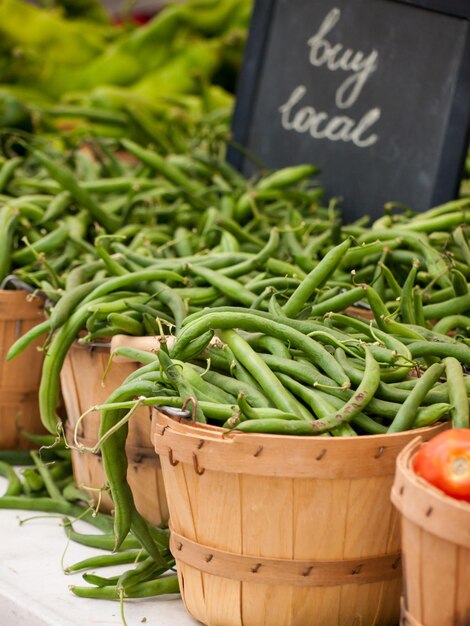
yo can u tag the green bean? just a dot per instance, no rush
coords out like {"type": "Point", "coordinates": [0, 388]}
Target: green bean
{"type": "Point", "coordinates": [162, 166]}
{"type": "Point", "coordinates": [418, 308]}
{"type": "Point", "coordinates": [461, 241]}
{"type": "Point", "coordinates": [384, 391]}
{"type": "Point", "coordinates": [459, 282]}
{"type": "Point", "coordinates": [319, 406]}
{"type": "Point", "coordinates": [49, 385]}
{"type": "Point", "coordinates": [213, 392]}
{"type": "Point", "coordinates": [7, 171]}
{"type": "Point", "coordinates": [103, 542]}
{"type": "Point", "coordinates": [16, 457]}
{"type": "Point", "coordinates": [442, 222]}
{"type": "Point", "coordinates": [144, 571]}
{"type": "Point", "coordinates": [245, 267]}
{"type": "Point", "coordinates": [268, 381]}
{"type": "Point", "coordinates": [8, 220]}
{"type": "Point", "coordinates": [64, 307]}
{"type": "Point", "coordinates": [159, 586]}
{"type": "Point", "coordinates": [315, 279]}
{"type": "Point", "coordinates": [179, 382]}
{"type": "Point", "coordinates": [454, 306]}
{"type": "Point", "coordinates": [33, 483]}
{"type": "Point", "coordinates": [282, 268]}
{"type": "Point", "coordinates": [146, 536]}
{"type": "Point", "coordinates": [432, 348]}
{"type": "Point", "coordinates": [105, 560]}
{"type": "Point", "coordinates": [25, 340]}
{"type": "Point", "coordinates": [406, 415]}
{"type": "Point", "coordinates": [263, 413]}
{"type": "Point", "coordinates": [440, 295]}
{"type": "Point", "coordinates": [323, 296]}
{"type": "Point", "coordinates": [48, 505]}
{"type": "Point", "coordinates": [112, 265]}
{"type": "Point", "coordinates": [241, 234]}
{"type": "Point", "coordinates": [144, 308]}
{"type": "Point", "coordinates": [358, 254]}
{"type": "Point", "coordinates": [384, 320]}
{"type": "Point", "coordinates": [300, 369]}
{"type": "Point", "coordinates": [251, 322]}
{"type": "Point", "coordinates": [229, 243]}
{"type": "Point", "coordinates": [361, 420]}
{"type": "Point", "coordinates": [67, 181]}
{"type": "Point", "coordinates": [391, 343]}
{"type": "Point", "coordinates": [338, 303]}
{"type": "Point", "coordinates": [429, 415]}
{"type": "Point", "coordinates": [57, 207]}
{"type": "Point", "coordinates": [239, 371]}
{"type": "Point", "coordinates": [276, 427]}
{"type": "Point", "coordinates": [14, 487]}
{"type": "Point", "coordinates": [442, 209]}
{"type": "Point", "coordinates": [49, 243]}
{"type": "Point", "coordinates": [172, 299]}
{"type": "Point", "coordinates": [390, 280]}
{"type": "Point", "coordinates": [406, 302]}
{"type": "Point", "coordinates": [115, 458]}
{"type": "Point", "coordinates": [271, 344]}
{"type": "Point", "coordinates": [460, 411]}
{"type": "Point", "coordinates": [134, 280]}
{"type": "Point", "coordinates": [230, 287]}
{"type": "Point", "coordinates": [51, 487]}
{"type": "Point", "coordinates": [448, 323]}
{"type": "Point", "coordinates": [286, 177]}
{"type": "Point", "coordinates": [359, 400]}
{"type": "Point", "coordinates": [234, 386]}
{"type": "Point", "coordinates": [388, 355]}
{"type": "Point", "coordinates": [126, 324]}
{"type": "Point", "coordinates": [100, 581]}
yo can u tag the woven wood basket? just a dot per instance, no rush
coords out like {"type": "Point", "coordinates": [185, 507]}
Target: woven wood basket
{"type": "Point", "coordinates": [282, 531]}
{"type": "Point", "coordinates": [19, 378]}
{"type": "Point", "coordinates": [83, 387]}
{"type": "Point", "coordinates": [436, 549]}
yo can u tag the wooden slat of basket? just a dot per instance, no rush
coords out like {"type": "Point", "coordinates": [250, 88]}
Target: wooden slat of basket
{"type": "Point", "coordinates": [82, 388]}
{"type": "Point", "coordinates": [19, 378]}
{"type": "Point", "coordinates": [17, 305]}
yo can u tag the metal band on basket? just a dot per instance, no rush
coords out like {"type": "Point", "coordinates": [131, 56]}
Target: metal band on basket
{"type": "Point", "coordinates": [254, 569]}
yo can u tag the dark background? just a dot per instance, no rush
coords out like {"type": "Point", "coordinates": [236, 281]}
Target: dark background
{"type": "Point", "coordinates": [419, 56]}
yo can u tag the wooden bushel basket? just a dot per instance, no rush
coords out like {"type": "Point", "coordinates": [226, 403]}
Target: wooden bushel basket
{"type": "Point", "coordinates": [83, 387]}
{"type": "Point", "coordinates": [282, 531]}
{"type": "Point", "coordinates": [436, 549]}
{"type": "Point", "coordinates": [19, 378]}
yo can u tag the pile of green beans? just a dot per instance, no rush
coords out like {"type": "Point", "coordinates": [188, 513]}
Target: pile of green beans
{"type": "Point", "coordinates": [45, 485]}
{"type": "Point", "coordinates": [265, 291]}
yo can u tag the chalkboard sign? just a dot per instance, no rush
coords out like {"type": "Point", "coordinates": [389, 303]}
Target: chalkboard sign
{"type": "Point", "coordinates": [374, 92]}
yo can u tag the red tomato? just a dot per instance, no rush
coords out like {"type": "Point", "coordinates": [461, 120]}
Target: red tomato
{"type": "Point", "coordinates": [445, 462]}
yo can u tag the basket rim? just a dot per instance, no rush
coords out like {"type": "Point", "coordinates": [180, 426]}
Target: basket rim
{"type": "Point", "coordinates": [207, 446]}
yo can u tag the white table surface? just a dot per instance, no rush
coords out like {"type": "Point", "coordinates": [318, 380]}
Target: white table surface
{"type": "Point", "coordinates": [34, 590]}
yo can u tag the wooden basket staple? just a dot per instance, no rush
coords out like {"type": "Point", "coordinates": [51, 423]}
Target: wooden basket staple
{"type": "Point", "coordinates": [82, 388]}
{"type": "Point", "coordinates": [279, 531]}
{"type": "Point", "coordinates": [19, 378]}
{"type": "Point", "coordinates": [436, 549]}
